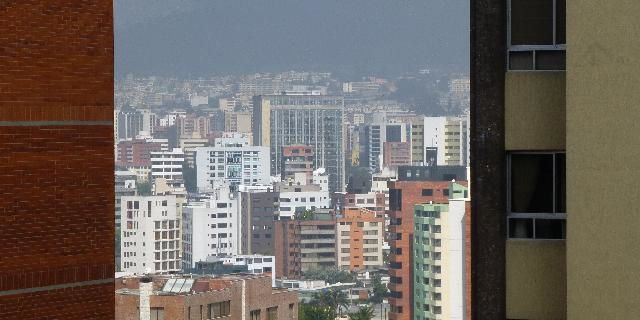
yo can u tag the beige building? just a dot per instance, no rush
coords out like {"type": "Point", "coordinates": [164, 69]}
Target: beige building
{"type": "Point", "coordinates": [359, 240]}
{"type": "Point", "coordinates": [237, 122]}
{"type": "Point", "coordinates": [558, 216]}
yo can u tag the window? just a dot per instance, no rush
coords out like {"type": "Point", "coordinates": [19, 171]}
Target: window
{"type": "Point", "coordinates": [272, 313]}
{"type": "Point", "coordinates": [254, 315]}
{"type": "Point", "coordinates": [157, 313]}
{"type": "Point", "coordinates": [395, 199]}
{"type": "Point", "coordinates": [536, 195]}
{"type": "Point", "coordinates": [219, 309]}
{"type": "Point", "coordinates": [537, 34]}
{"type": "Point", "coordinates": [427, 192]}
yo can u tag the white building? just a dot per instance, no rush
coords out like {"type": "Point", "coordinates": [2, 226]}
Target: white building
{"type": "Point", "coordinates": [211, 227]}
{"type": "Point", "coordinates": [150, 235]}
{"type": "Point", "coordinates": [256, 264]}
{"type": "Point", "coordinates": [439, 288]}
{"type": "Point", "coordinates": [231, 164]}
{"type": "Point", "coordinates": [168, 165]}
{"type": "Point", "coordinates": [450, 136]}
{"type": "Point", "coordinates": [296, 196]}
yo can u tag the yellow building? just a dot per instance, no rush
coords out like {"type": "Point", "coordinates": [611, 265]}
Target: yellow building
{"type": "Point", "coordinates": [555, 167]}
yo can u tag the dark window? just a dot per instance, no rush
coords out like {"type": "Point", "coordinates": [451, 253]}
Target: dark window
{"type": "Point", "coordinates": [427, 192]}
{"type": "Point", "coordinates": [537, 183]}
{"type": "Point", "coordinates": [532, 22]}
{"type": "Point", "coordinates": [395, 199]}
{"type": "Point", "coordinates": [221, 205]}
{"type": "Point", "coordinates": [219, 309]}
{"type": "Point", "coordinates": [445, 192]}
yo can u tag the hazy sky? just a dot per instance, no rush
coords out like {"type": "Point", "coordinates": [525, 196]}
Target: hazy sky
{"type": "Point", "coordinates": [348, 37]}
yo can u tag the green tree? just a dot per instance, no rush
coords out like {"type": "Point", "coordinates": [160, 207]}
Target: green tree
{"type": "Point", "coordinates": [307, 214]}
{"type": "Point", "coordinates": [379, 289]}
{"type": "Point", "coordinates": [314, 312]}
{"type": "Point", "coordinates": [364, 313]}
{"type": "Point", "coordinates": [333, 298]}
{"type": "Point", "coordinates": [330, 275]}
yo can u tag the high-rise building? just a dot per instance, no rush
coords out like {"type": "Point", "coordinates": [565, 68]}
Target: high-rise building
{"type": "Point", "coordinates": [150, 235]}
{"type": "Point", "coordinates": [375, 136]}
{"type": "Point", "coordinates": [258, 211]}
{"type": "Point", "coordinates": [312, 120]}
{"type": "Point", "coordinates": [57, 167]}
{"type": "Point", "coordinates": [404, 194]}
{"type": "Point", "coordinates": [442, 141]}
{"type": "Point", "coordinates": [211, 227]}
{"type": "Point", "coordinates": [295, 159]}
{"type": "Point", "coordinates": [130, 123]}
{"type": "Point", "coordinates": [396, 154]}
{"type": "Point", "coordinates": [191, 126]}
{"type": "Point", "coordinates": [359, 240]}
{"type": "Point", "coordinates": [237, 122]}
{"type": "Point", "coordinates": [294, 197]}
{"type": "Point", "coordinates": [440, 254]}
{"type": "Point", "coordinates": [554, 164]}
{"type": "Point", "coordinates": [303, 245]}
{"type": "Point", "coordinates": [232, 164]}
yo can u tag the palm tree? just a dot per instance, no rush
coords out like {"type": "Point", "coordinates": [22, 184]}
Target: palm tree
{"type": "Point", "coordinates": [364, 313]}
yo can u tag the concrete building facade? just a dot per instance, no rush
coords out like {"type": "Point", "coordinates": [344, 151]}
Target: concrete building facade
{"type": "Point", "coordinates": [258, 212]}
{"type": "Point", "coordinates": [359, 240]}
{"type": "Point", "coordinates": [211, 227]}
{"type": "Point", "coordinates": [168, 165]}
{"type": "Point", "coordinates": [232, 164]}
{"type": "Point", "coordinates": [150, 235]}
{"type": "Point", "coordinates": [440, 255]}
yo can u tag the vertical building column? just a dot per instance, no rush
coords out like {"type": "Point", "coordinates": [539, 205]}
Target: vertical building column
{"type": "Point", "coordinates": [488, 172]}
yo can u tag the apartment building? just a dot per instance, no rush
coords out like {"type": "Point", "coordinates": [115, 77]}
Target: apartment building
{"type": "Point", "coordinates": [193, 126]}
{"type": "Point", "coordinates": [296, 159]}
{"type": "Point", "coordinates": [396, 154]}
{"type": "Point", "coordinates": [137, 152]}
{"type": "Point", "coordinates": [359, 240]}
{"type": "Point", "coordinates": [302, 245]}
{"type": "Point", "coordinates": [294, 197]}
{"type": "Point", "coordinates": [376, 134]}
{"type": "Point", "coordinates": [168, 165]}
{"type": "Point", "coordinates": [211, 227]}
{"type": "Point", "coordinates": [414, 185]}
{"type": "Point", "coordinates": [237, 122]}
{"type": "Point", "coordinates": [150, 235]}
{"type": "Point", "coordinates": [204, 297]}
{"type": "Point", "coordinates": [442, 141]}
{"type": "Point", "coordinates": [232, 164]}
{"type": "Point", "coordinates": [552, 144]}
{"type": "Point", "coordinates": [57, 225]}
{"type": "Point", "coordinates": [258, 211]}
{"type": "Point", "coordinates": [372, 201]}
{"type": "Point", "coordinates": [440, 257]}
{"type": "Point", "coordinates": [312, 120]}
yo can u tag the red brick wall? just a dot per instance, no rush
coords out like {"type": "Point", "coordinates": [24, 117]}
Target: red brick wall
{"type": "Point", "coordinates": [56, 212]}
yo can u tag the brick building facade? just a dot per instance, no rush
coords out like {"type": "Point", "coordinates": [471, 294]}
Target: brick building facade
{"type": "Point", "coordinates": [56, 150]}
{"type": "Point", "coordinates": [234, 297]}
{"type": "Point", "coordinates": [403, 195]}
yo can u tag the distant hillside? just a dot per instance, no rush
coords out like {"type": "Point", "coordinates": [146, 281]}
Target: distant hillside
{"type": "Point", "coordinates": [348, 37]}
